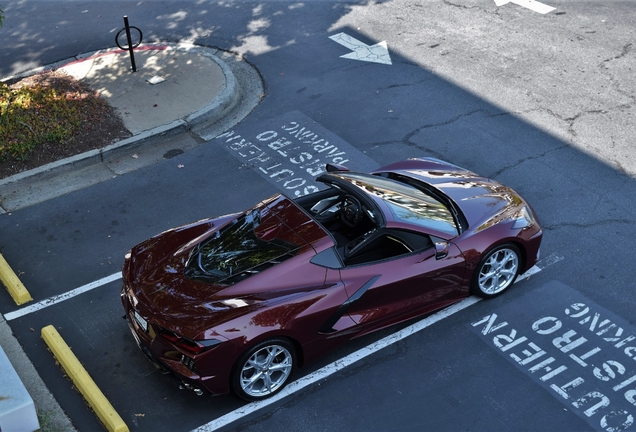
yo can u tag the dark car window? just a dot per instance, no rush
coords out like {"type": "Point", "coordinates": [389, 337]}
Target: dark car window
{"type": "Point", "coordinates": [236, 252]}
{"type": "Point", "coordinates": [407, 203]}
{"type": "Point", "coordinates": [390, 244]}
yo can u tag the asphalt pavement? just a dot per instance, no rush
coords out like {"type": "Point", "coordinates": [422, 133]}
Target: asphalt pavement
{"type": "Point", "coordinates": [185, 89]}
{"type": "Point", "coordinates": [544, 103]}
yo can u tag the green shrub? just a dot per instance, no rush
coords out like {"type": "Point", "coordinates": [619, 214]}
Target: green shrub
{"type": "Point", "coordinates": [48, 110]}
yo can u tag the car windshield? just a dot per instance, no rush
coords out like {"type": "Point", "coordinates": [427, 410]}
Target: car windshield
{"type": "Point", "coordinates": [407, 203]}
{"type": "Point", "coordinates": [236, 251]}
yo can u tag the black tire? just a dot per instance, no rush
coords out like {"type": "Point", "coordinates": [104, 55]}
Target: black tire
{"type": "Point", "coordinates": [276, 359]}
{"type": "Point", "coordinates": [496, 271]}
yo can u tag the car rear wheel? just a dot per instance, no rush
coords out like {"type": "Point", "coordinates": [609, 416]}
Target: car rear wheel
{"type": "Point", "coordinates": [496, 271]}
{"type": "Point", "coordinates": [264, 370]}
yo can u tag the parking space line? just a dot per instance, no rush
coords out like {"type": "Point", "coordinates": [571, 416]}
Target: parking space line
{"type": "Point", "coordinates": [533, 270]}
{"type": "Point", "coordinates": [61, 297]}
{"type": "Point", "coordinates": [56, 344]}
{"type": "Point", "coordinates": [16, 289]}
{"type": "Point", "coordinates": [342, 363]}
{"type": "Point", "coordinates": [552, 259]}
{"type": "Point", "coordinates": [82, 381]}
{"type": "Point", "coordinates": [541, 265]}
{"type": "Point", "coordinates": [336, 366]}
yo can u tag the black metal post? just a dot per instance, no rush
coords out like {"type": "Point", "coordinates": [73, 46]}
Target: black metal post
{"type": "Point", "coordinates": [130, 45]}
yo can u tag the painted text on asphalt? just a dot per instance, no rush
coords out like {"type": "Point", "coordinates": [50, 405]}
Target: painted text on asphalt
{"type": "Point", "coordinates": [584, 355]}
{"type": "Point", "coordinates": [292, 155]}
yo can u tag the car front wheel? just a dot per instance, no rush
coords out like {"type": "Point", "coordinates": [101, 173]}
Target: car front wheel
{"type": "Point", "coordinates": [496, 271]}
{"type": "Point", "coordinates": [264, 369]}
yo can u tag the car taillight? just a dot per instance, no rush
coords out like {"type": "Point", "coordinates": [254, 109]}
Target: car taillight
{"type": "Point", "coordinates": [170, 336]}
{"type": "Point", "coordinates": [190, 346]}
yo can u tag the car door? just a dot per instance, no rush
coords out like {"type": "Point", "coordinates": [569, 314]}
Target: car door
{"type": "Point", "coordinates": [388, 289]}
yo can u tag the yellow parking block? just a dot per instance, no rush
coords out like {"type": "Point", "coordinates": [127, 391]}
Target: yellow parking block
{"type": "Point", "coordinates": [82, 380]}
{"type": "Point", "coordinates": [14, 286]}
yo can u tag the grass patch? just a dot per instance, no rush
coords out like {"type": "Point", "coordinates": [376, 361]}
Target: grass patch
{"type": "Point", "coordinates": [46, 109]}
{"type": "Point", "coordinates": [47, 422]}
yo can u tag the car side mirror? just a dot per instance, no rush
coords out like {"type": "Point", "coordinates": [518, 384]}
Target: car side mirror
{"type": "Point", "coordinates": [441, 250]}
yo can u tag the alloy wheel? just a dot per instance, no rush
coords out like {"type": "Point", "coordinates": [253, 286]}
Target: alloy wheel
{"type": "Point", "coordinates": [266, 370]}
{"type": "Point", "coordinates": [498, 271]}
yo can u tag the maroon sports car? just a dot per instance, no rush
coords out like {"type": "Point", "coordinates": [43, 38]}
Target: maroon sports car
{"type": "Point", "coordinates": [238, 302]}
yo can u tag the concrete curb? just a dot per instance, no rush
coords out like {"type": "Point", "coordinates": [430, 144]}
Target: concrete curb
{"type": "Point", "coordinates": [50, 414]}
{"type": "Point", "coordinates": [82, 381]}
{"type": "Point", "coordinates": [224, 101]}
{"type": "Point", "coordinates": [210, 113]}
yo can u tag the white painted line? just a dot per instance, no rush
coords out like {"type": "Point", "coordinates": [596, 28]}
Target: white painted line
{"type": "Point", "coordinates": [338, 365]}
{"type": "Point", "coordinates": [307, 380]}
{"type": "Point", "coordinates": [533, 5]}
{"type": "Point", "coordinates": [533, 270]}
{"type": "Point", "coordinates": [61, 297]}
{"type": "Point", "coordinates": [549, 260]}
{"type": "Point", "coordinates": [541, 265]}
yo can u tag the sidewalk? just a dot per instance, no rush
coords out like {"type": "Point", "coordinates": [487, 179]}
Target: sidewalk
{"type": "Point", "coordinates": [177, 88]}
{"type": "Point", "coordinates": [196, 88]}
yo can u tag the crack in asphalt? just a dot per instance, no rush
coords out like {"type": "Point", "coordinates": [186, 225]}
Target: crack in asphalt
{"type": "Point", "coordinates": [615, 82]}
{"type": "Point", "coordinates": [460, 6]}
{"type": "Point", "coordinates": [588, 224]}
{"type": "Point", "coordinates": [408, 136]}
{"type": "Point", "coordinates": [406, 140]}
{"type": "Point", "coordinates": [478, 7]}
{"type": "Point", "coordinates": [394, 86]}
{"type": "Point", "coordinates": [626, 49]}
{"type": "Point", "coordinates": [523, 160]}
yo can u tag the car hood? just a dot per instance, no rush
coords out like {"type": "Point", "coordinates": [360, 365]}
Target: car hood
{"type": "Point", "coordinates": [154, 271]}
{"type": "Point", "coordinates": [479, 198]}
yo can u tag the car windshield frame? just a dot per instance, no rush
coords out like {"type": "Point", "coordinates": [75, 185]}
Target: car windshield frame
{"type": "Point", "coordinates": [407, 203]}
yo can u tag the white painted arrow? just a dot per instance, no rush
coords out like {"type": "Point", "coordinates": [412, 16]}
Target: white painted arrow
{"type": "Point", "coordinates": [530, 4]}
{"type": "Point", "coordinates": [378, 53]}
